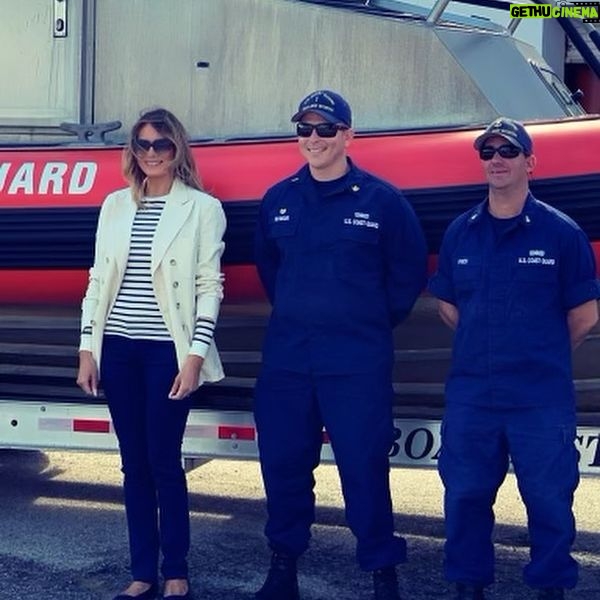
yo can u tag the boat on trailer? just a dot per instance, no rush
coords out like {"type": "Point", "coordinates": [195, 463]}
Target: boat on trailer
{"type": "Point", "coordinates": [422, 84]}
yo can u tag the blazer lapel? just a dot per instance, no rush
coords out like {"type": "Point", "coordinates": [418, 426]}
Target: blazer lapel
{"type": "Point", "coordinates": [175, 213]}
{"type": "Point", "coordinates": [121, 234]}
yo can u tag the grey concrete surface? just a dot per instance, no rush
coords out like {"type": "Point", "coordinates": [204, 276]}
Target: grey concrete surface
{"type": "Point", "coordinates": [62, 533]}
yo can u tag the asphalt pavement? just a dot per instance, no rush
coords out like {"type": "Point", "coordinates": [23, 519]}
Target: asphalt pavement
{"type": "Point", "coordinates": [63, 536]}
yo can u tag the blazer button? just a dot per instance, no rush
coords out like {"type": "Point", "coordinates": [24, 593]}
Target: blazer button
{"type": "Point", "coordinates": [173, 262]}
{"type": "Point", "coordinates": [177, 305]}
{"type": "Point", "coordinates": [92, 322]}
{"type": "Point", "coordinates": [176, 284]}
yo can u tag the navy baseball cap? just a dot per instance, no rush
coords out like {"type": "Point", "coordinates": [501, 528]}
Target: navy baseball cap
{"type": "Point", "coordinates": [329, 105]}
{"type": "Point", "coordinates": [510, 130]}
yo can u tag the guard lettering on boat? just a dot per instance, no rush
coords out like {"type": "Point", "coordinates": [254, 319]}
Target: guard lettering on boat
{"type": "Point", "coordinates": [57, 178]}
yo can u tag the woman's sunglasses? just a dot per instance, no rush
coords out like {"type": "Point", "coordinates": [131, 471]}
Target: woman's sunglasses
{"type": "Point", "coordinates": [324, 130]}
{"type": "Point", "coordinates": [505, 151]}
{"type": "Point", "coordinates": [159, 145]}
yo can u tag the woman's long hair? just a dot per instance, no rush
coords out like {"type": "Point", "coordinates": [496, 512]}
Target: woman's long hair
{"type": "Point", "coordinates": [182, 164]}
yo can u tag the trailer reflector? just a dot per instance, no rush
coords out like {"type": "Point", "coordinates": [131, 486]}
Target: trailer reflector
{"type": "Point", "coordinates": [91, 426]}
{"type": "Point", "coordinates": [236, 433]}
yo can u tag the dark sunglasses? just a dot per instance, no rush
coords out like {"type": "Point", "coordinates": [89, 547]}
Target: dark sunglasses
{"type": "Point", "coordinates": [505, 151]}
{"type": "Point", "coordinates": [159, 145]}
{"type": "Point", "coordinates": [324, 130]}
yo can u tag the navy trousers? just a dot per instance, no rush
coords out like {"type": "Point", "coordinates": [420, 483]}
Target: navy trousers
{"type": "Point", "coordinates": [137, 376]}
{"type": "Point", "coordinates": [477, 444]}
{"type": "Point", "coordinates": [356, 410]}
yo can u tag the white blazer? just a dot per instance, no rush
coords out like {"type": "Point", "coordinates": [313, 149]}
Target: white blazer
{"type": "Point", "coordinates": [186, 268]}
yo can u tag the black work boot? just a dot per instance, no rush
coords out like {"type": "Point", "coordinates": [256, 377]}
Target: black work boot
{"type": "Point", "coordinates": [551, 594]}
{"type": "Point", "coordinates": [281, 582]}
{"type": "Point", "coordinates": [468, 592]}
{"type": "Point", "coordinates": [385, 584]}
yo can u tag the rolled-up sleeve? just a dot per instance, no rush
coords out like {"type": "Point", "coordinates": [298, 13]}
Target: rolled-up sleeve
{"type": "Point", "coordinates": [406, 251]}
{"type": "Point", "coordinates": [209, 278]}
{"type": "Point", "coordinates": [266, 254]}
{"type": "Point", "coordinates": [441, 284]}
{"type": "Point", "coordinates": [578, 271]}
{"type": "Point", "coordinates": [90, 299]}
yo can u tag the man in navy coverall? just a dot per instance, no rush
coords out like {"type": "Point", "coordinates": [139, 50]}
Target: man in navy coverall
{"type": "Point", "coordinates": [342, 258]}
{"type": "Point", "coordinates": [517, 282]}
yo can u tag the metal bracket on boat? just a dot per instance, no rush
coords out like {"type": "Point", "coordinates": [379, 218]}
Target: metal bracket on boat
{"type": "Point", "coordinates": [436, 11]}
{"type": "Point", "coordinates": [87, 132]}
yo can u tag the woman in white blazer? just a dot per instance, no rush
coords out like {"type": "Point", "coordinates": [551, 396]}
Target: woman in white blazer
{"type": "Point", "coordinates": [147, 324]}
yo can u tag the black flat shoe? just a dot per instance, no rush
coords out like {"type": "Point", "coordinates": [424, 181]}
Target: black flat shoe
{"type": "Point", "coordinates": [149, 594]}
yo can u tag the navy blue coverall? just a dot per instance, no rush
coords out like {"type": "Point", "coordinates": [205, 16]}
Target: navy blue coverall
{"type": "Point", "coordinates": [342, 263]}
{"type": "Point", "coordinates": [510, 393]}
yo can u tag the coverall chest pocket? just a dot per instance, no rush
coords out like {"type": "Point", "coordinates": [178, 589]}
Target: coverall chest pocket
{"type": "Point", "coordinates": [357, 254]}
{"type": "Point", "coordinates": [535, 287]}
{"type": "Point", "coordinates": [283, 226]}
{"type": "Point", "coordinates": [467, 274]}
{"type": "Point", "coordinates": [535, 275]}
